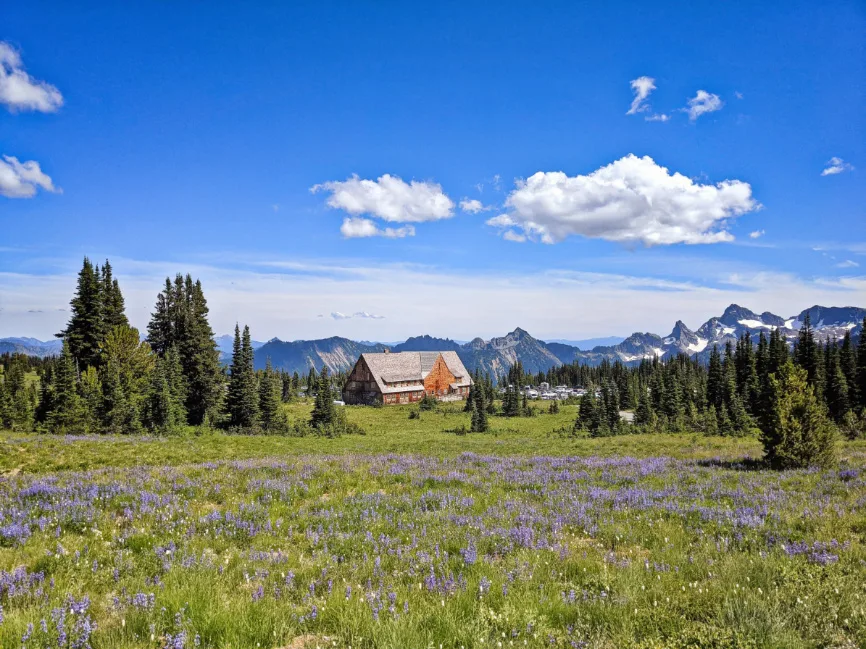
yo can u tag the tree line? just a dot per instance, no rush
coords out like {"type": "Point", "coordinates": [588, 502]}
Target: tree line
{"type": "Point", "coordinates": [110, 379]}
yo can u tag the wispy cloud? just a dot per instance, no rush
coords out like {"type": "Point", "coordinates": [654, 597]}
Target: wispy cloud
{"type": "Point", "coordinates": [442, 301]}
{"type": "Point", "coordinates": [473, 206]}
{"type": "Point", "coordinates": [19, 91]}
{"type": "Point", "coordinates": [836, 166]}
{"type": "Point", "coordinates": [848, 263]}
{"type": "Point", "coordinates": [756, 234]}
{"type": "Point", "coordinates": [703, 102]}
{"type": "Point", "coordinates": [642, 87]}
{"type": "Point", "coordinates": [356, 227]}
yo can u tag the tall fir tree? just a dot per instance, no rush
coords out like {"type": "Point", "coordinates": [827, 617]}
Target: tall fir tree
{"type": "Point", "coordinates": [270, 399]}
{"type": "Point", "coordinates": [85, 329]}
{"type": "Point", "coordinates": [861, 365]}
{"type": "Point", "coordinates": [848, 363]}
{"type": "Point", "coordinates": [65, 415]}
{"type": "Point", "coordinates": [324, 410]}
{"type": "Point", "coordinates": [180, 320]}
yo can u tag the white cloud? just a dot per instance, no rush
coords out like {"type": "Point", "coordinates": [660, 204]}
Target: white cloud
{"type": "Point", "coordinates": [836, 166]}
{"type": "Point", "coordinates": [738, 94]}
{"type": "Point", "coordinates": [630, 200]}
{"type": "Point", "coordinates": [657, 117]}
{"type": "Point", "coordinates": [703, 102]}
{"type": "Point", "coordinates": [364, 315]}
{"type": "Point", "coordinates": [756, 234]}
{"type": "Point", "coordinates": [356, 227]}
{"type": "Point", "coordinates": [22, 179]}
{"type": "Point", "coordinates": [19, 91]}
{"type": "Point", "coordinates": [389, 198]}
{"type": "Point", "coordinates": [848, 263]}
{"type": "Point", "coordinates": [511, 235]}
{"type": "Point", "coordinates": [473, 206]}
{"type": "Point", "coordinates": [642, 87]}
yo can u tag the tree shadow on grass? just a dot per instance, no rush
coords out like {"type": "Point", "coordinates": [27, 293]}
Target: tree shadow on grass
{"type": "Point", "coordinates": [743, 464]}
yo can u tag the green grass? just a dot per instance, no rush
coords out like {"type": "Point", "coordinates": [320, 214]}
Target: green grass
{"type": "Point", "coordinates": [533, 539]}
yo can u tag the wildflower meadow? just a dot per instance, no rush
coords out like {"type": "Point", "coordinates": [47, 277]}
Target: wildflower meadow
{"type": "Point", "coordinates": [404, 538]}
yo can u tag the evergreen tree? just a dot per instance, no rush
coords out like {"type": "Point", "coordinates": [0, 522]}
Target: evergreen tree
{"type": "Point", "coordinates": [17, 411]}
{"type": "Point", "coordinates": [270, 399]}
{"type": "Point", "coordinates": [586, 412]}
{"type": "Point", "coordinates": [234, 395]}
{"type": "Point", "coordinates": [65, 415]}
{"type": "Point", "coordinates": [180, 320]}
{"type": "Point", "coordinates": [113, 306]}
{"type": "Point", "coordinates": [848, 364]}
{"type": "Point", "coordinates": [85, 329]}
{"type": "Point", "coordinates": [90, 389]}
{"type": "Point", "coordinates": [808, 354]}
{"type": "Point", "coordinates": [715, 380]}
{"type": "Point", "coordinates": [164, 407]}
{"type": "Point", "coordinates": [479, 422]}
{"type": "Point", "coordinates": [126, 376]}
{"type": "Point", "coordinates": [837, 388]}
{"type": "Point", "coordinates": [324, 410]}
{"type": "Point", "coordinates": [861, 365]}
{"type": "Point", "coordinates": [800, 435]}
{"type": "Point", "coordinates": [643, 415]}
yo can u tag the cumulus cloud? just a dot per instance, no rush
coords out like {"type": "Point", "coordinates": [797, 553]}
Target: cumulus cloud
{"type": "Point", "coordinates": [19, 91]}
{"type": "Point", "coordinates": [473, 206]}
{"type": "Point", "coordinates": [756, 234]}
{"type": "Point", "coordinates": [359, 228]}
{"type": "Point", "coordinates": [836, 166]}
{"type": "Point", "coordinates": [389, 198]}
{"type": "Point", "coordinates": [630, 200]}
{"type": "Point", "coordinates": [703, 102]}
{"type": "Point", "coordinates": [848, 263]}
{"type": "Point", "coordinates": [642, 87]}
{"type": "Point", "coordinates": [22, 179]}
{"type": "Point", "coordinates": [516, 237]}
{"type": "Point", "coordinates": [336, 315]}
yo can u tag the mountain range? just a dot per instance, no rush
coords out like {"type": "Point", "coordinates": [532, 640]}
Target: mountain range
{"type": "Point", "coordinates": [497, 354]}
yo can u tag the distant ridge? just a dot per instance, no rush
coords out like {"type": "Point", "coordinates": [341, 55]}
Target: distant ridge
{"type": "Point", "coordinates": [497, 354]}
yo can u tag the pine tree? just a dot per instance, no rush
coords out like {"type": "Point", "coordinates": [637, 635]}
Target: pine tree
{"type": "Point", "coordinates": [323, 409]}
{"type": "Point", "coordinates": [808, 354]}
{"type": "Point", "coordinates": [715, 380]}
{"type": "Point", "coordinates": [164, 407]}
{"type": "Point", "coordinates": [270, 399]}
{"type": "Point", "coordinates": [85, 329]}
{"type": "Point", "coordinates": [861, 365]}
{"type": "Point", "coordinates": [90, 389]}
{"type": "Point", "coordinates": [586, 413]}
{"type": "Point", "coordinates": [837, 388]}
{"type": "Point", "coordinates": [848, 364]}
{"type": "Point", "coordinates": [643, 415]}
{"type": "Point", "coordinates": [234, 395]}
{"type": "Point", "coordinates": [113, 306]}
{"type": "Point", "coordinates": [126, 376]}
{"type": "Point", "coordinates": [800, 435]}
{"type": "Point", "coordinates": [65, 415]}
{"type": "Point", "coordinates": [479, 422]}
{"type": "Point", "coordinates": [180, 320]}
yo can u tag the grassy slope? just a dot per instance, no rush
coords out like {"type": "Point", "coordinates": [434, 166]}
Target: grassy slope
{"type": "Point", "coordinates": [389, 430]}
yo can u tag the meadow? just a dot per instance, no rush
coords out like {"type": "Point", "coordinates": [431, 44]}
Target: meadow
{"type": "Point", "coordinates": [413, 536]}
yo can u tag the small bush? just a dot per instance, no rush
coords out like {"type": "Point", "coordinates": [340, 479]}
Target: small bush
{"type": "Point", "coordinates": [429, 402]}
{"type": "Point", "coordinates": [414, 414]}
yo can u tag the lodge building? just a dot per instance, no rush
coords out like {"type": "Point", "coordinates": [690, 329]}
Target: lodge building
{"type": "Point", "coordinates": [405, 377]}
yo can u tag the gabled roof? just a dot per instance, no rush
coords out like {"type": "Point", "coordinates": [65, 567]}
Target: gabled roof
{"type": "Point", "coordinates": [412, 366]}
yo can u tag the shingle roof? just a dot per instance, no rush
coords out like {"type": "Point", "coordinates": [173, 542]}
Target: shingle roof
{"type": "Point", "coordinates": [411, 366]}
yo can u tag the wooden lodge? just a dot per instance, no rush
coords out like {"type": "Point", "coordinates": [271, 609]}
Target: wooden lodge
{"type": "Point", "coordinates": [405, 377]}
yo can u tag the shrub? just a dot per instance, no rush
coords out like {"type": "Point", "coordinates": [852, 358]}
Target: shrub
{"type": "Point", "coordinates": [799, 434]}
{"type": "Point", "coordinates": [414, 414]}
{"type": "Point", "coordinates": [428, 403]}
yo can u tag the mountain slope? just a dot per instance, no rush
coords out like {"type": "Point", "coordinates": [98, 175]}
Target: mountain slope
{"type": "Point", "coordinates": [339, 354]}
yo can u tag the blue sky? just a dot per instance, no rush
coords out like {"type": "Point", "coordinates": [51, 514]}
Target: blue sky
{"type": "Point", "coordinates": [183, 138]}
